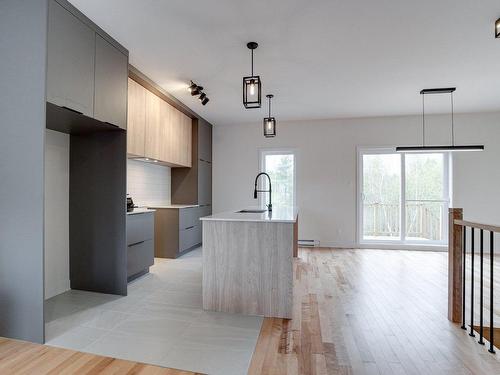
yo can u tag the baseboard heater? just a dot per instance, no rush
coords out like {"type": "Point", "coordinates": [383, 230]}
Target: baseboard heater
{"type": "Point", "coordinates": [308, 243]}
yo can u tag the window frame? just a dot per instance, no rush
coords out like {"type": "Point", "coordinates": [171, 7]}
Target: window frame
{"type": "Point", "coordinates": [447, 190]}
{"type": "Point", "coordinates": [263, 152]}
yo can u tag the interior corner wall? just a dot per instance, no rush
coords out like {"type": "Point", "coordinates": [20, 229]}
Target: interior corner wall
{"type": "Point", "coordinates": [327, 166]}
{"type": "Point", "coordinates": [23, 42]}
{"type": "Point", "coordinates": [56, 240]}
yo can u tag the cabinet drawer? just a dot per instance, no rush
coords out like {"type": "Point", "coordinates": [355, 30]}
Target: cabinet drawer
{"type": "Point", "coordinates": [188, 217]}
{"type": "Point", "coordinates": [189, 238]}
{"type": "Point", "coordinates": [140, 227]}
{"type": "Point", "coordinates": [139, 257]}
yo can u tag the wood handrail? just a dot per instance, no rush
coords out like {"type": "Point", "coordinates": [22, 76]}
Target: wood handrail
{"type": "Point", "coordinates": [465, 223]}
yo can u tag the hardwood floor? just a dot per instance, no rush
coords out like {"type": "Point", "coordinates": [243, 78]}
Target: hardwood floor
{"type": "Point", "coordinates": [370, 312]}
{"type": "Point", "coordinates": [19, 357]}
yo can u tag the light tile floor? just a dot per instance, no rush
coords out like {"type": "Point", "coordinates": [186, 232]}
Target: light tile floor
{"type": "Point", "coordinates": [160, 322]}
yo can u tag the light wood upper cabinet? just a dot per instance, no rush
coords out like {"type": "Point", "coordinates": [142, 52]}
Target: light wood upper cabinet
{"type": "Point", "coordinates": [156, 129]}
{"type": "Point", "coordinates": [136, 119]}
{"type": "Point", "coordinates": [153, 126]}
{"type": "Point", "coordinates": [166, 134]}
{"type": "Point", "coordinates": [187, 125]}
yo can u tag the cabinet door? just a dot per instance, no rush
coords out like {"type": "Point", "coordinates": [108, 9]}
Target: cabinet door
{"type": "Point", "coordinates": [204, 182]}
{"type": "Point", "coordinates": [204, 141]}
{"type": "Point", "coordinates": [136, 123]}
{"type": "Point", "coordinates": [186, 140]}
{"type": "Point", "coordinates": [153, 110]}
{"type": "Point", "coordinates": [176, 129]}
{"type": "Point", "coordinates": [70, 61]}
{"type": "Point", "coordinates": [165, 147]}
{"type": "Point", "coordinates": [111, 75]}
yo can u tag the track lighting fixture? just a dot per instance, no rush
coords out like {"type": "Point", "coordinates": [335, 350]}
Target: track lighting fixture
{"type": "Point", "coordinates": [195, 90]}
{"type": "Point", "coordinates": [252, 85]}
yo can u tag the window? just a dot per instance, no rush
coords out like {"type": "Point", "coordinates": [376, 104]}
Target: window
{"type": "Point", "coordinates": [403, 198]}
{"type": "Point", "coordinates": [280, 165]}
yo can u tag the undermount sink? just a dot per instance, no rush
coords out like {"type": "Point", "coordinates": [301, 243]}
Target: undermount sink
{"type": "Point", "coordinates": [254, 211]}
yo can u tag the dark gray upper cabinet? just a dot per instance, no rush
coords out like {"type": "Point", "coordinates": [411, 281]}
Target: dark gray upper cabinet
{"type": "Point", "coordinates": [70, 61]}
{"type": "Point", "coordinates": [111, 84]}
{"type": "Point", "coordinates": [204, 140]}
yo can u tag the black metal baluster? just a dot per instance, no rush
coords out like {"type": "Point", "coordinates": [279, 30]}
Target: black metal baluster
{"type": "Point", "coordinates": [491, 350]}
{"type": "Point", "coordinates": [481, 341]}
{"type": "Point", "coordinates": [464, 248]}
{"type": "Point", "coordinates": [471, 333]}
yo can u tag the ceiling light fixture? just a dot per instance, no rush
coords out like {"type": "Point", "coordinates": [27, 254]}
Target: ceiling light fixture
{"type": "Point", "coordinates": [497, 28]}
{"type": "Point", "coordinates": [252, 86]}
{"type": "Point", "coordinates": [269, 122]}
{"type": "Point", "coordinates": [452, 147]}
{"type": "Point", "coordinates": [195, 90]}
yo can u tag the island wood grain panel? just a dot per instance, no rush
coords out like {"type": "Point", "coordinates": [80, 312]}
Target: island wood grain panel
{"type": "Point", "coordinates": [248, 268]}
{"type": "Point", "coordinates": [370, 312]}
{"type": "Point", "coordinates": [19, 357]}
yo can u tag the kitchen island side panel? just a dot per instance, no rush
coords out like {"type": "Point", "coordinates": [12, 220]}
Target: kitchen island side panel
{"type": "Point", "coordinates": [248, 268]}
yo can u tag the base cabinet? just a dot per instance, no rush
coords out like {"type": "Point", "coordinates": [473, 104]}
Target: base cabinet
{"type": "Point", "coordinates": [177, 230]}
{"type": "Point", "coordinates": [140, 244]}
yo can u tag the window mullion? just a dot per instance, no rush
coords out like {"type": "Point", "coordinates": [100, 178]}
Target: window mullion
{"type": "Point", "coordinates": [402, 210]}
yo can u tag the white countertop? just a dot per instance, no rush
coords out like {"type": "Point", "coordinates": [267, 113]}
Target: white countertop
{"type": "Point", "coordinates": [278, 215]}
{"type": "Point", "coordinates": [140, 210]}
{"type": "Point", "coordinates": [174, 206]}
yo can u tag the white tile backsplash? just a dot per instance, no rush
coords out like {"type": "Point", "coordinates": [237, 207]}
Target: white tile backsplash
{"type": "Point", "coordinates": [148, 184]}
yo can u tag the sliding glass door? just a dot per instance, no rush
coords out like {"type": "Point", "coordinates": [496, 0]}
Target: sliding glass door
{"type": "Point", "coordinates": [403, 198]}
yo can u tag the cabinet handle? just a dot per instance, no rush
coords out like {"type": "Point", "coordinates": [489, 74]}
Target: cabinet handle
{"type": "Point", "coordinates": [72, 110]}
{"type": "Point", "coordinates": [191, 227]}
{"type": "Point", "coordinates": [136, 243]}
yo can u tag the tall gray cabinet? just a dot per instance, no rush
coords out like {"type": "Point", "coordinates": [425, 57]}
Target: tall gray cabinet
{"type": "Point", "coordinates": [86, 69]}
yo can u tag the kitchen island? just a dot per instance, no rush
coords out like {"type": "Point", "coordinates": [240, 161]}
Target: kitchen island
{"type": "Point", "coordinates": [248, 262]}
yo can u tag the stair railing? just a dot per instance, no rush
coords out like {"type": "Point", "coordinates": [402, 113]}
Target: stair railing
{"type": "Point", "coordinates": [457, 263]}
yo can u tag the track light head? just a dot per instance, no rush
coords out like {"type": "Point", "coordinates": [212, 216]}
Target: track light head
{"type": "Point", "coordinates": [196, 91]}
{"type": "Point", "coordinates": [205, 101]}
{"type": "Point", "coordinates": [202, 96]}
{"type": "Point", "coordinates": [192, 86]}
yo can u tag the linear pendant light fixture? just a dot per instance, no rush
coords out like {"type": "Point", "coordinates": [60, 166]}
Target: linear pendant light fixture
{"type": "Point", "coordinates": [252, 85]}
{"type": "Point", "coordinates": [450, 148]}
{"type": "Point", "coordinates": [269, 122]}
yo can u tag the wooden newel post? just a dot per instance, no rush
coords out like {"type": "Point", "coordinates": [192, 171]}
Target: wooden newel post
{"type": "Point", "coordinates": [455, 259]}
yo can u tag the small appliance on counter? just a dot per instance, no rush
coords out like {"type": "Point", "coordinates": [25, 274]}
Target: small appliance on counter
{"type": "Point", "coordinates": [130, 204]}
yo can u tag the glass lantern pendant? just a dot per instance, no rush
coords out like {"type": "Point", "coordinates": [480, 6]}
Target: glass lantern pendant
{"type": "Point", "coordinates": [252, 86]}
{"type": "Point", "coordinates": [269, 122]}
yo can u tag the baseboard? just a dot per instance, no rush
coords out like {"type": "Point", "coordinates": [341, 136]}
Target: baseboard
{"type": "Point", "coordinates": [352, 245]}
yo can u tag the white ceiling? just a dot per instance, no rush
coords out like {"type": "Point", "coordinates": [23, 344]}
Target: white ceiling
{"type": "Point", "coordinates": [321, 58]}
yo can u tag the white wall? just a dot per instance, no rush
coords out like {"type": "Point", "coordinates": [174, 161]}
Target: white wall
{"type": "Point", "coordinates": [326, 166]}
{"type": "Point", "coordinates": [56, 213]}
{"type": "Point", "coordinates": [147, 183]}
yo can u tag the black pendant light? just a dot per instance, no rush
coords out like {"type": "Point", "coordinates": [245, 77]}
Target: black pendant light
{"type": "Point", "coordinates": [252, 86]}
{"type": "Point", "coordinates": [450, 148]}
{"type": "Point", "coordinates": [269, 122]}
{"type": "Point", "coordinates": [497, 28]}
